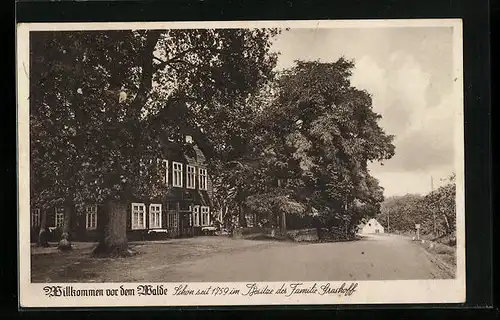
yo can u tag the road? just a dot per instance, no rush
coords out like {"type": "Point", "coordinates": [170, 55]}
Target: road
{"type": "Point", "coordinates": [380, 257]}
{"type": "Point", "coordinates": [222, 259]}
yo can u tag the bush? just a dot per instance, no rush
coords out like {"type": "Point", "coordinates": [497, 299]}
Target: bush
{"type": "Point", "coordinates": [54, 235]}
{"type": "Point", "coordinates": [335, 233]}
{"type": "Point", "coordinates": [303, 235]}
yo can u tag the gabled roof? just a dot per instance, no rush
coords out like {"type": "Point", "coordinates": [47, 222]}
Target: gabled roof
{"type": "Point", "coordinates": [372, 220]}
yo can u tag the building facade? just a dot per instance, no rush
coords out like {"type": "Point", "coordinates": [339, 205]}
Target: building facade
{"type": "Point", "coordinates": [372, 226]}
{"type": "Point", "coordinates": [185, 210]}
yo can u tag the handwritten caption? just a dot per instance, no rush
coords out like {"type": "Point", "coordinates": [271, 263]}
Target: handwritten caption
{"type": "Point", "coordinates": [247, 290]}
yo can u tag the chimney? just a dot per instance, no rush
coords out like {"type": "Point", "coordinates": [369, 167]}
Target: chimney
{"type": "Point", "coordinates": [189, 139]}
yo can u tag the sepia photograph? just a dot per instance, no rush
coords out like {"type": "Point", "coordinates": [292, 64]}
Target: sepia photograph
{"type": "Point", "coordinates": [234, 160]}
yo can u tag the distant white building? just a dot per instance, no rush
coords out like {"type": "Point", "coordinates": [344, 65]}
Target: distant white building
{"type": "Point", "coordinates": [372, 226]}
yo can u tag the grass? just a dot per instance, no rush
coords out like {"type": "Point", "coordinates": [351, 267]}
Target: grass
{"type": "Point", "coordinates": [444, 253]}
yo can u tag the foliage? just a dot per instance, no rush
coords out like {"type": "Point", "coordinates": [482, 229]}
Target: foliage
{"type": "Point", "coordinates": [316, 137]}
{"type": "Point", "coordinates": [435, 211]}
{"type": "Point", "coordinates": [102, 102]}
{"type": "Point", "coordinates": [402, 211]}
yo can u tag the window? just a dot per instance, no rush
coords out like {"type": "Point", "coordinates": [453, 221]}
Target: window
{"type": "Point", "coordinates": [154, 216]}
{"type": "Point", "coordinates": [91, 217]}
{"type": "Point", "coordinates": [59, 217]}
{"type": "Point", "coordinates": [203, 179]}
{"type": "Point", "coordinates": [205, 216]}
{"type": "Point", "coordinates": [196, 216]}
{"type": "Point", "coordinates": [177, 174]}
{"type": "Point", "coordinates": [172, 218]}
{"type": "Point", "coordinates": [35, 218]}
{"type": "Point", "coordinates": [163, 167]}
{"type": "Point", "coordinates": [138, 216]}
{"type": "Point", "coordinates": [190, 183]}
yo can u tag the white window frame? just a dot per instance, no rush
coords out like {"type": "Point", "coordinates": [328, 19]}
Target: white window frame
{"type": "Point", "coordinates": [176, 170]}
{"type": "Point", "coordinates": [35, 217]}
{"type": "Point", "coordinates": [91, 211]}
{"type": "Point", "coordinates": [152, 218]}
{"type": "Point", "coordinates": [163, 167]}
{"type": "Point", "coordinates": [59, 217]}
{"type": "Point", "coordinates": [190, 177]}
{"type": "Point", "coordinates": [136, 226]}
{"type": "Point", "coordinates": [204, 214]}
{"type": "Point", "coordinates": [196, 216]}
{"type": "Point", "coordinates": [202, 179]}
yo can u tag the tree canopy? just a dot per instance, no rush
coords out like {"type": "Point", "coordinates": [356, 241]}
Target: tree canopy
{"type": "Point", "coordinates": [318, 135]}
{"type": "Point", "coordinates": [435, 211]}
{"type": "Point", "coordinates": [102, 103]}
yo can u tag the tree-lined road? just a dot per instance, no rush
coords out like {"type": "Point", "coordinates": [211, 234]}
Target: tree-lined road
{"type": "Point", "coordinates": [373, 258]}
{"type": "Point", "coordinates": [221, 259]}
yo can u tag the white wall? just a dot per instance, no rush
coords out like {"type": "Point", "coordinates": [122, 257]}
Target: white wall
{"type": "Point", "coordinates": [372, 226]}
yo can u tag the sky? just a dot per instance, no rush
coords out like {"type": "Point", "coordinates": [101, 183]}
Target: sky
{"type": "Point", "coordinates": [408, 71]}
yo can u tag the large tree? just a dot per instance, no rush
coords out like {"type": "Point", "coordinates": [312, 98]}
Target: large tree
{"type": "Point", "coordinates": [102, 101]}
{"type": "Point", "coordinates": [320, 133]}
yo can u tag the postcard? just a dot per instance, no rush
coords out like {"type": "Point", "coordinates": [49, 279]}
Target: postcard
{"type": "Point", "coordinates": [240, 163]}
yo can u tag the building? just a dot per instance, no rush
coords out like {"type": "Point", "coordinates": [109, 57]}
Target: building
{"type": "Point", "coordinates": [183, 211]}
{"type": "Point", "coordinates": [372, 226]}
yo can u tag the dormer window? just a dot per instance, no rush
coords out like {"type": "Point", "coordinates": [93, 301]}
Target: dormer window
{"type": "Point", "coordinates": [203, 179]}
{"type": "Point", "coordinates": [190, 183]}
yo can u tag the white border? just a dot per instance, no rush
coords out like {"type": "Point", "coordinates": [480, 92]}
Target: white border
{"type": "Point", "coordinates": [369, 292]}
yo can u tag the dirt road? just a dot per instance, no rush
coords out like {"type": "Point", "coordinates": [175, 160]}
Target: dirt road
{"type": "Point", "coordinates": [373, 258]}
{"type": "Point", "coordinates": [221, 259]}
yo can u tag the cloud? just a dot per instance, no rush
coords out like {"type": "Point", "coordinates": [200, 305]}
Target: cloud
{"type": "Point", "coordinates": [415, 182]}
{"type": "Point", "coordinates": [424, 134]}
{"type": "Point", "coordinates": [408, 73]}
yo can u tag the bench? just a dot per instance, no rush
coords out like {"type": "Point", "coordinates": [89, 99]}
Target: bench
{"type": "Point", "coordinates": [155, 231]}
{"type": "Point", "coordinates": [208, 230]}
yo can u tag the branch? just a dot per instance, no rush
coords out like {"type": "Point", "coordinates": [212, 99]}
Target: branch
{"type": "Point", "coordinates": [147, 71]}
{"type": "Point", "coordinates": [176, 58]}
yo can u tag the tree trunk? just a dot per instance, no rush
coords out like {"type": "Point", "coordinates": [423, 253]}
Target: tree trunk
{"type": "Point", "coordinates": [43, 240]}
{"type": "Point", "coordinates": [346, 228]}
{"type": "Point", "coordinates": [283, 221]}
{"type": "Point", "coordinates": [65, 242]}
{"type": "Point", "coordinates": [242, 217]}
{"type": "Point", "coordinates": [448, 229]}
{"type": "Point", "coordinates": [112, 231]}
